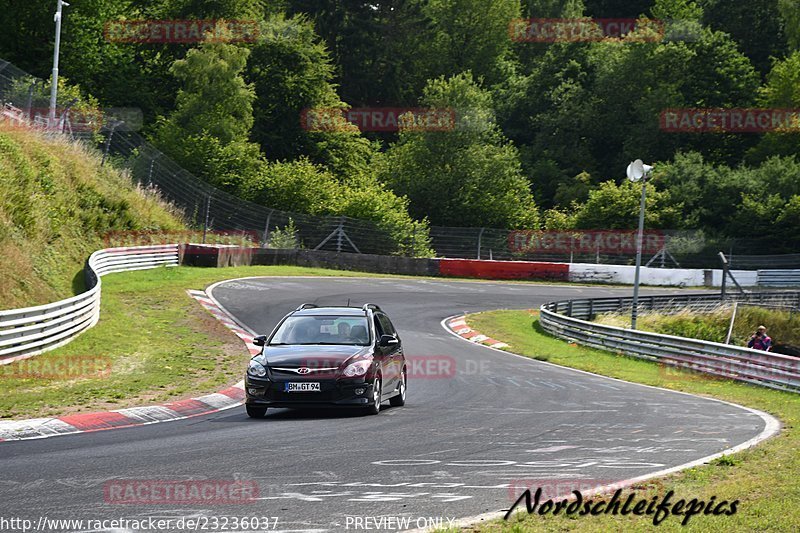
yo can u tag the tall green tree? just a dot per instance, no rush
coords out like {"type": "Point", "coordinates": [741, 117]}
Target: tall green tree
{"type": "Point", "coordinates": [472, 35]}
{"type": "Point", "coordinates": [617, 8]}
{"type": "Point", "coordinates": [381, 49]}
{"type": "Point", "coordinates": [756, 25]}
{"type": "Point", "coordinates": [292, 74]}
{"type": "Point", "coordinates": [782, 91]}
{"type": "Point", "coordinates": [613, 206]}
{"type": "Point", "coordinates": [790, 12]}
{"type": "Point", "coordinates": [595, 106]}
{"type": "Point", "coordinates": [213, 116]}
{"type": "Point", "coordinates": [468, 176]}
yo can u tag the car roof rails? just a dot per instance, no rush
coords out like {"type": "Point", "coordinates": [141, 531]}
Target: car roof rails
{"type": "Point", "coordinates": [306, 306]}
{"type": "Point", "coordinates": [371, 306]}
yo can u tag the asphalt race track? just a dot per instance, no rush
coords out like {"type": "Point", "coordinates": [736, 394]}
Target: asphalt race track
{"type": "Point", "coordinates": [462, 439]}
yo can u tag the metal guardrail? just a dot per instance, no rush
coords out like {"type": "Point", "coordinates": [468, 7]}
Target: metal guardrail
{"type": "Point", "coordinates": [570, 320]}
{"type": "Point", "coordinates": [778, 278]}
{"type": "Point", "coordinates": [32, 330]}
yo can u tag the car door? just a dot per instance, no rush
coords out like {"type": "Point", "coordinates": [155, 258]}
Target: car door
{"type": "Point", "coordinates": [392, 355]}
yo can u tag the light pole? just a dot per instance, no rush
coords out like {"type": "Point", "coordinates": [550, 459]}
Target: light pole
{"type": "Point", "coordinates": [54, 89]}
{"type": "Point", "coordinates": [638, 171]}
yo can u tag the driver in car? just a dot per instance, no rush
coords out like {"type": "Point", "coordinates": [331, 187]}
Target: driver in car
{"type": "Point", "coordinates": [344, 331]}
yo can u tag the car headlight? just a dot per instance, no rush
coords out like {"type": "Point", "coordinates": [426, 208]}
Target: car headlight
{"type": "Point", "coordinates": [256, 369]}
{"type": "Point", "coordinates": [359, 368]}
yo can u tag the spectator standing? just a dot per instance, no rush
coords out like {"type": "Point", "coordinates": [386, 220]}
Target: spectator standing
{"type": "Point", "coordinates": [760, 340]}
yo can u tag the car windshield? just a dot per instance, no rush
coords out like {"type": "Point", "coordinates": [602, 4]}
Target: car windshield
{"type": "Point", "coordinates": [344, 330]}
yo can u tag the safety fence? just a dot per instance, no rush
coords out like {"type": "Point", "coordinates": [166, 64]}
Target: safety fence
{"type": "Point", "coordinates": [32, 330]}
{"type": "Point", "coordinates": [571, 320]}
{"type": "Point", "coordinates": [214, 209]}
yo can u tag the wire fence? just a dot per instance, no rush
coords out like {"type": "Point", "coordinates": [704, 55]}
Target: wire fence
{"type": "Point", "coordinates": [23, 99]}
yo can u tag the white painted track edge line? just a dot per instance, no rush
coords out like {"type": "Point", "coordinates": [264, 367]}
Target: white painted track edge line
{"type": "Point", "coordinates": [771, 427]}
{"type": "Point", "coordinates": [210, 294]}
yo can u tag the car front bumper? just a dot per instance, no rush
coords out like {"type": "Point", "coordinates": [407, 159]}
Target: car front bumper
{"type": "Point", "coordinates": [332, 393]}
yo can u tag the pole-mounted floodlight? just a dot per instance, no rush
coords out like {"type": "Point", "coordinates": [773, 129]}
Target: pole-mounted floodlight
{"type": "Point", "coordinates": [638, 171]}
{"type": "Point", "coordinates": [54, 89]}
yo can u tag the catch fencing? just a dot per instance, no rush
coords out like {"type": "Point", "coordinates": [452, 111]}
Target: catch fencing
{"type": "Point", "coordinates": [571, 320]}
{"type": "Point", "coordinates": [213, 209]}
{"type": "Point", "coordinates": [32, 330]}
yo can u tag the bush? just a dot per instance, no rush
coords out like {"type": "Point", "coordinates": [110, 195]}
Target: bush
{"type": "Point", "coordinates": [286, 238]}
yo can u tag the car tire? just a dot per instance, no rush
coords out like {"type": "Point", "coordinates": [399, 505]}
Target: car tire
{"type": "Point", "coordinates": [375, 408]}
{"type": "Point", "coordinates": [254, 411]}
{"type": "Point", "coordinates": [400, 399]}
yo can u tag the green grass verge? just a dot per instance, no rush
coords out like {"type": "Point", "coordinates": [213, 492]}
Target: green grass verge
{"type": "Point", "coordinates": [153, 343]}
{"type": "Point", "coordinates": [765, 479]}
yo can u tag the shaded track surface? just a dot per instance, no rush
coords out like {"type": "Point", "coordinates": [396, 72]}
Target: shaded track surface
{"type": "Point", "coordinates": [466, 434]}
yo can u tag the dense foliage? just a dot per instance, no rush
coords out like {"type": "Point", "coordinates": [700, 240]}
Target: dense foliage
{"type": "Point", "coordinates": [538, 126]}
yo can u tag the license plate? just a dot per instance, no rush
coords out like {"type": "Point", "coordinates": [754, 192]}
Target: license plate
{"type": "Point", "coordinates": [302, 387]}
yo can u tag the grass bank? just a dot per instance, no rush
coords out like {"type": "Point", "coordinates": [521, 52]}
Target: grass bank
{"type": "Point", "coordinates": [765, 479]}
{"type": "Point", "coordinates": [56, 204]}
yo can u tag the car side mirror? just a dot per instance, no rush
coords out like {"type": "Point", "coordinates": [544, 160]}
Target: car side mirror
{"type": "Point", "coordinates": [260, 340]}
{"type": "Point", "coordinates": [388, 340]}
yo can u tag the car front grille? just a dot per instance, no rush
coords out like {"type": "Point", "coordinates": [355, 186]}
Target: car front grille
{"type": "Point", "coordinates": [313, 374]}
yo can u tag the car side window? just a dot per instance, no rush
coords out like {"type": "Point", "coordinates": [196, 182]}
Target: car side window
{"type": "Point", "coordinates": [378, 327]}
{"type": "Point", "coordinates": [386, 325]}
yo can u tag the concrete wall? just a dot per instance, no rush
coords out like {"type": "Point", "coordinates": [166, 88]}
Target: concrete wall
{"type": "Point", "coordinates": [675, 277]}
{"type": "Point", "coordinates": [475, 268]}
{"type": "Point", "coordinates": [221, 256]}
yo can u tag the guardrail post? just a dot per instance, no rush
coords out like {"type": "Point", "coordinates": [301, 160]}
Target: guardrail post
{"type": "Point", "coordinates": [208, 211]}
{"type": "Point", "coordinates": [569, 308]}
{"type": "Point", "coordinates": [724, 275]}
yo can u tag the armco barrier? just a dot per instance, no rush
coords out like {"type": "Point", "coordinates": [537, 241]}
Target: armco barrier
{"type": "Point", "coordinates": [733, 362]}
{"type": "Point", "coordinates": [779, 278]}
{"type": "Point", "coordinates": [33, 330]}
{"type": "Point", "coordinates": [474, 268]}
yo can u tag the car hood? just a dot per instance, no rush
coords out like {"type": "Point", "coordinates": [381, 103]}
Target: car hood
{"type": "Point", "coordinates": [315, 356]}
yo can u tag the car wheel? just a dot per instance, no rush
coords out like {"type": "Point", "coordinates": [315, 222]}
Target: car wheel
{"type": "Point", "coordinates": [254, 411]}
{"type": "Point", "coordinates": [375, 408]}
{"type": "Point", "coordinates": [400, 399]}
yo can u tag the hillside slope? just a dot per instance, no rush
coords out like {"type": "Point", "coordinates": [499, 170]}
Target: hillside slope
{"type": "Point", "coordinates": [56, 204]}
